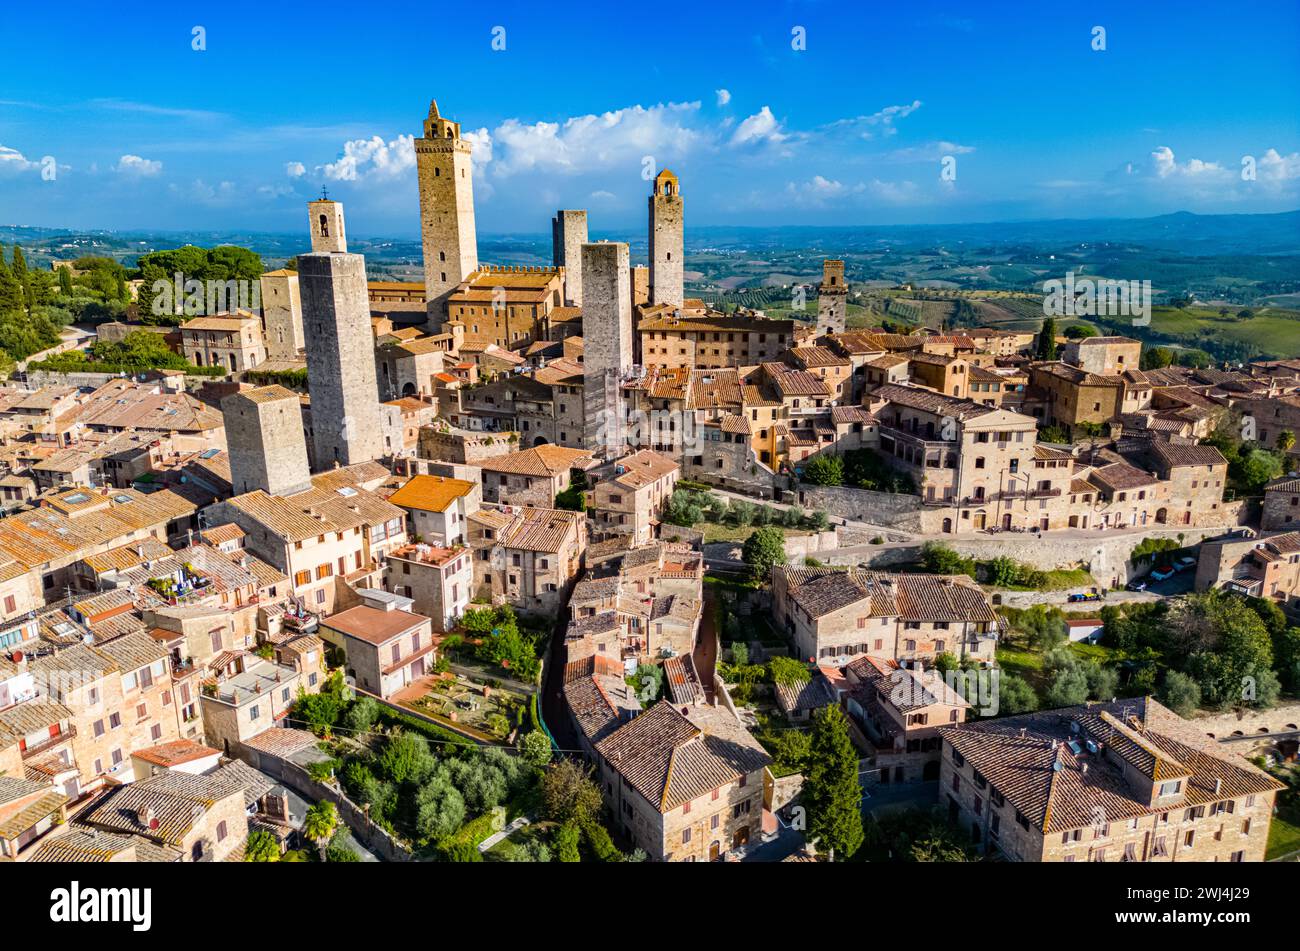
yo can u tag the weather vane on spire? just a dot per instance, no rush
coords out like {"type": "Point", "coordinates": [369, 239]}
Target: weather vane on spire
{"type": "Point", "coordinates": [324, 193]}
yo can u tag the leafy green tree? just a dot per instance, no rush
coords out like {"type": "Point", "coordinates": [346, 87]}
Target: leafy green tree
{"type": "Point", "coordinates": [939, 559]}
{"type": "Point", "coordinates": [762, 551]}
{"type": "Point", "coordinates": [361, 715]}
{"type": "Point", "coordinates": [824, 470]}
{"type": "Point", "coordinates": [648, 683]}
{"type": "Point", "coordinates": [339, 850]}
{"type": "Point", "coordinates": [566, 841]}
{"type": "Point", "coordinates": [261, 847]}
{"type": "Point", "coordinates": [817, 521]}
{"type": "Point", "coordinates": [1080, 331]}
{"type": "Point", "coordinates": [1197, 359]}
{"type": "Point", "coordinates": [1043, 626]}
{"type": "Point", "coordinates": [1046, 349]}
{"type": "Point", "coordinates": [319, 823]}
{"type": "Point", "coordinates": [1285, 441]}
{"type": "Point", "coordinates": [788, 671]}
{"type": "Point", "coordinates": [1181, 693]}
{"type": "Point", "coordinates": [569, 794]}
{"type": "Point", "coordinates": [1015, 695]}
{"type": "Point", "coordinates": [1227, 646]}
{"type": "Point", "coordinates": [831, 791]}
{"type": "Point", "coordinates": [739, 653]}
{"type": "Point", "coordinates": [572, 499]}
{"type": "Point", "coordinates": [439, 808]}
{"type": "Point", "coordinates": [405, 758]}
{"type": "Point", "coordinates": [536, 748]}
{"type": "Point", "coordinates": [65, 281]}
{"type": "Point", "coordinates": [1068, 688]}
{"type": "Point", "coordinates": [1156, 358]}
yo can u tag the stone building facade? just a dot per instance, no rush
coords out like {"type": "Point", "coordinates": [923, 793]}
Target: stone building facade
{"type": "Point", "coordinates": [346, 425]}
{"type": "Point", "coordinates": [1126, 781]}
{"type": "Point", "coordinates": [607, 344]}
{"type": "Point", "coordinates": [568, 235]}
{"type": "Point", "coordinates": [667, 243]}
{"type": "Point", "coordinates": [446, 184]}
{"type": "Point", "coordinates": [832, 299]}
{"type": "Point", "coordinates": [264, 437]}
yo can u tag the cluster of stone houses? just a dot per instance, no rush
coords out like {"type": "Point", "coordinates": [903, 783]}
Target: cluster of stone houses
{"type": "Point", "coordinates": [179, 564]}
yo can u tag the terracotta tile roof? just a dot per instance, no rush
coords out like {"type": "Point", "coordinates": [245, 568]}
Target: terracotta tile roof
{"type": "Point", "coordinates": [822, 591]}
{"type": "Point", "coordinates": [430, 493]}
{"type": "Point", "coordinates": [1118, 476]}
{"type": "Point", "coordinates": [373, 625]}
{"type": "Point", "coordinates": [598, 696]}
{"type": "Point", "coordinates": [94, 845]}
{"type": "Point", "coordinates": [1030, 761]}
{"type": "Point", "coordinates": [175, 753]}
{"type": "Point", "coordinates": [791, 382]}
{"type": "Point", "coordinates": [929, 401]}
{"type": "Point", "coordinates": [671, 757]}
{"type": "Point", "coordinates": [544, 530]}
{"type": "Point", "coordinates": [24, 803]}
{"type": "Point", "coordinates": [62, 526]}
{"type": "Point", "coordinates": [547, 460]}
{"type": "Point", "coordinates": [643, 468]}
{"type": "Point", "coordinates": [1175, 455]}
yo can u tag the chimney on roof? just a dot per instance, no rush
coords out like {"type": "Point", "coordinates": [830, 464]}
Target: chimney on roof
{"type": "Point", "coordinates": [1218, 786]}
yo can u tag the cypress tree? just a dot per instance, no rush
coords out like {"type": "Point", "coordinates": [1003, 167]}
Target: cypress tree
{"type": "Point", "coordinates": [65, 282]}
{"type": "Point", "coordinates": [831, 791]}
{"type": "Point", "coordinates": [1047, 339]}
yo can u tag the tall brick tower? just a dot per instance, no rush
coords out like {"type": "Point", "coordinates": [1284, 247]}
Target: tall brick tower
{"type": "Point", "coordinates": [345, 416]}
{"type": "Point", "coordinates": [607, 345]}
{"type": "Point", "coordinates": [446, 186]}
{"type": "Point", "coordinates": [667, 247]}
{"type": "Point", "coordinates": [265, 439]}
{"type": "Point", "coordinates": [832, 296]}
{"type": "Point", "coordinates": [568, 235]}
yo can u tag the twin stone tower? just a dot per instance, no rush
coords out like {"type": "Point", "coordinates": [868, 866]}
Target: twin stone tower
{"type": "Point", "coordinates": [347, 426]}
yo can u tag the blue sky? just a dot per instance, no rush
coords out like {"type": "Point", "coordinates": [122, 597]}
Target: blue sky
{"type": "Point", "coordinates": [146, 132]}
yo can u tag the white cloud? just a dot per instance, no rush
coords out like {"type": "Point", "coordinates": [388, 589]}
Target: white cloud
{"type": "Point", "coordinates": [11, 160]}
{"type": "Point", "coordinates": [223, 193]}
{"type": "Point", "coordinates": [1164, 165]}
{"type": "Point", "coordinates": [1274, 167]}
{"type": "Point", "coordinates": [481, 142]}
{"type": "Point", "coordinates": [295, 169]}
{"type": "Point", "coordinates": [929, 152]}
{"type": "Point", "coordinates": [137, 167]}
{"type": "Point", "coordinates": [590, 142]}
{"type": "Point", "coordinates": [882, 120]}
{"type": "Point", "coordinates": [371, 159]}
{"type": "Point", "coordinates": [762, 126]}
{"type": "Point", "coordinates": [724, 96]}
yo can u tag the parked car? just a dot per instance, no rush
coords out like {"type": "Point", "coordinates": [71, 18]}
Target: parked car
{"type": "Point", "coordinates": [1161, 573]}
{"type": "Point", "coordinates": [1137, 584]}
{"type": "Point", "coordinates": [1084, 596]}
{"type": "Point", "coordinates": [1182, 564]}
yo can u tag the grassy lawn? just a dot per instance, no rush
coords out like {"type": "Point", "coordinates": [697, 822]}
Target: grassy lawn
{"type": "Point", "coordinates": [727, 533]}
{"type": "Point", "coordinates": [1283, 837]}
{"type": "Point", "coordinates": [1063, 578]}
{"type": "Point", "coordinates": [1027, 662]}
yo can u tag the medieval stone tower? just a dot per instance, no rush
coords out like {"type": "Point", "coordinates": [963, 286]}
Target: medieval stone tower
{"type": "Point", "coordinates": [340, 349]}
{"type": "Point", "coordinates": [607, 345]}
{"type": "Point", "coordinates": [326, 219]}
{"type": "Point", "coordinates": [832, 296]}
{"type": "Point", "coordinates": [282, 314]}
{"type": "Point", "coordinates": [446, 210]}
{"type": "Point", "coordinates": [568, 235]}
{"type": "Point", "coordinates": [667, 247]}
{"type": "Point", "coordinates": [265, 440]}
